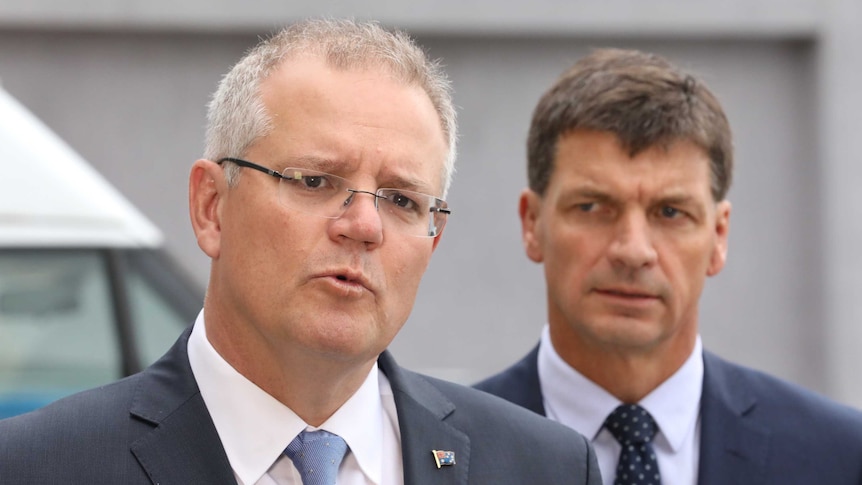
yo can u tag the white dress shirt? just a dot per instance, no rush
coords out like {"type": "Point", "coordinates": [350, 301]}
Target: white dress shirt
{"type": "Point", "coordinates": [255, 428]}
{"type": "Point", "coordinates": [579, 403]}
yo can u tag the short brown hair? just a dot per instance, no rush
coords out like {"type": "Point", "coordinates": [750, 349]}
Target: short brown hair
{"type": "Point", "coordinates": [643, 99]}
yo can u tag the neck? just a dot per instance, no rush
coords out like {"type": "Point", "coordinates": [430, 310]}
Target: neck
{"type": "Point", "coordinates": [313, 385]}
{"type": "Point", "coordinates": [627, 373]}
{"type": "Point", "coordinates": [314, 394]}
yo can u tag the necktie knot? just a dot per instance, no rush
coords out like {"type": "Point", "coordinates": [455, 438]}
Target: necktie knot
{"type": "Point", "coordinates": [317, 455]}
{"type": "Point", "coordinates": [630, 423]}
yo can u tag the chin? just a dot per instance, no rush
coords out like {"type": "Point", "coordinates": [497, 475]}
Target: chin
{"type": "Point", "coordinates": [628, 333]}
{"type": "Point", "coordinates": [347, 344]}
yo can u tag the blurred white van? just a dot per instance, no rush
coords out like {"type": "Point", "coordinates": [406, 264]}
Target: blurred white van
{"type": "Point", "coordinates": [87, 294]}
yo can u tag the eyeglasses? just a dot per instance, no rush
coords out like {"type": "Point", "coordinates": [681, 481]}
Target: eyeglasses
{"type": "Point", "coordinates": [326, 195]}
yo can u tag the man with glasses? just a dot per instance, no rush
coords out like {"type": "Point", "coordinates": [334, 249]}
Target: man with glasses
{"type": "Point", "coordinates": [629, 164]}
{"type": "Point", "coordinates": [320, 200]}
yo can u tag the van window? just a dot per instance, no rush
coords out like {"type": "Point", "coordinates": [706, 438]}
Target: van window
{"type": "Point", "coordinates": [72, 319]}
{"type": "Point", "coordinates": [161, 302]}
{"type": "Point", "coordinates": [57, 331]}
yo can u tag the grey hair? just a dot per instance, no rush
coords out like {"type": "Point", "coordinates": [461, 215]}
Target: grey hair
{"type": "Point", "coordinates": [237, 116]}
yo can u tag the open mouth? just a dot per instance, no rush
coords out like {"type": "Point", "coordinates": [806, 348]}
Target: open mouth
{"type": "Point", "coordinates": [349, 281]}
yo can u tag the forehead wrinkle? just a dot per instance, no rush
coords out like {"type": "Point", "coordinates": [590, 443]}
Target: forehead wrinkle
{"type": "Point", "coordinates": [320, 164]}
{"type": "Point", "coordinates": [343, 168]}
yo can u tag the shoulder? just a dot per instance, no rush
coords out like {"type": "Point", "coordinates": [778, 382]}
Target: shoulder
{"type": "Point", "coordinates": [519, 374]}
{"type": "Point", "coordinates": [81, 410]}
{"type": "Point", "coordinates": [783, 407]}
{"type": "Point", "coordinates": [491, 420]}
{"type": "Point", "coordinates": [511, 444]}
{"type": "Point", "coordinates": [478, 403]}
{"type": "Point", "coordinates": [518, 384]}
{"type": "Point", "coordinates": [507, 443]}
{"type": "Point", "coordinates": [71, 436]}
{"type": "Point", "coordinates": [103, 416]}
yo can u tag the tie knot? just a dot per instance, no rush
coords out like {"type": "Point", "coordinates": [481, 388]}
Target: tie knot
{"type": "Point", "coordinates": [317, 455]}
{"type": "Point", "coordinates": [630, 423]}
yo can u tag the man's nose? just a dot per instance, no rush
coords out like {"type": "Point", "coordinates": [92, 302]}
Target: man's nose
{"type": "Point", "coordinates": [360, 221]}
{"type": "Point", "coordinates": [632, 245]}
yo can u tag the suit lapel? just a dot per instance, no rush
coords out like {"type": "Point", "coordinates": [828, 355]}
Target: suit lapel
{"type": "Point", "coordinates": [422, 411]}
{"type": "Point", "coordinates": [733, 447]}
{"type": "Point", "coordinates": [183, 445]}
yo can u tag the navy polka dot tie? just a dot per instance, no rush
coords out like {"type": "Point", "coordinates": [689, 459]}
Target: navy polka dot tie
{"type": "Point", "coordinates": [317, 455]}
{"type": "Point", "coordinates": [634, 428]}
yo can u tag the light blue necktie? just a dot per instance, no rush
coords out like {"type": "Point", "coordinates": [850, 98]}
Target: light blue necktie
{"type": "Point", "coordinates": [317, 455]}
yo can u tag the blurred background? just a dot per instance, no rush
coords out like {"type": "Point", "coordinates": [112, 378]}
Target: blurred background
{"type": "Point", "coordinates": [126, 82]}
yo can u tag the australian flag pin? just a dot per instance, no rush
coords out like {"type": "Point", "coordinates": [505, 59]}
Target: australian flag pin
{"type": "Point", "coordinates": [444, 458]}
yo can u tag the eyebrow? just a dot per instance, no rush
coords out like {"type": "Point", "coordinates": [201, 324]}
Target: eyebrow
{"type": "Point", "coordinates": [678, 199]}
{"type": "Point", "coordinates": [407, 183]}
{"type": "Point", "coordinates": [587, 193]}
{"type": "Point", "coordinates": [335, 167]}
{"type": "Point", "coordinates": [672, 198]}
{"type": "Point", "coordinates": [319, 164]}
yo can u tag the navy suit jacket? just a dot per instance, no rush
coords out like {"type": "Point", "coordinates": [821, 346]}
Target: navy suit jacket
{"type": "Point", "coordinates": [154, 428]}
{"type": "Point", "coordinates": [755, 429]}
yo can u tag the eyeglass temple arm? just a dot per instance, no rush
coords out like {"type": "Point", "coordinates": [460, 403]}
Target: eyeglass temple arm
{"type": "Point", "coordinates": [244, 163]}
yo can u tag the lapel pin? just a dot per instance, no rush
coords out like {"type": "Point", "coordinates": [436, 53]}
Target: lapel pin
{"type": "Point", "coordinates": [444, 458]}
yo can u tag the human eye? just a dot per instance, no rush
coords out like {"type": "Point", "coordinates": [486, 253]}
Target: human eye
{"type": "Point", "coordinates": [311, 181]}
{"type": "Point", "coordinates": [588, 207]}
{"type": "Point", "coordinates": [315, 181]}
{"type": "Point", "coordinates": [406, 202]}
{"type": "Point", "coordinates": [591, 210]}
{"type": "Point", "coordinates": [669, 212]}
{"type": "Point", "coordinates": [403, 201]}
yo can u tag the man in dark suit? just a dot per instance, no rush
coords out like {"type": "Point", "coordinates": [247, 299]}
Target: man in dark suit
{"type": "Point", "coordinates": [320, 201]}
{"type": "Point", "coordinates": [630, 160]}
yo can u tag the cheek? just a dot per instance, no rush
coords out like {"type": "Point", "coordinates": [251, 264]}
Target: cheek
{"type": "Point", "coordinates": [405, 270]}
{"type": "Point", "coordinates": [687, 268]}
{"type": "Point", "coordinates": [268, 249]}
{"type": "Point", "coordinates": [570, 254]}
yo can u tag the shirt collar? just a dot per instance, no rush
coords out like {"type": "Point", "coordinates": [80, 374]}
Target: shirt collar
{"type": "Point", "coordinates": [675, 404]}
{"type": "Point", "coordinates": [255, 428]}
{"type": "Point", "coordinates": [583, 405]}
{"type": "Point", "coordinates": [360, 422]}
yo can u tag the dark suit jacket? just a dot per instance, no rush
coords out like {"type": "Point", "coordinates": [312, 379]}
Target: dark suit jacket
{"type": "Point", "coordinates": [154, 428]}
{"type": "Point", "coordinates": [755, 429]}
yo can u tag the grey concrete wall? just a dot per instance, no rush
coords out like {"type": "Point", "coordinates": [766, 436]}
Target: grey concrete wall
{"type": "Point", "coordinates": [126, 84]}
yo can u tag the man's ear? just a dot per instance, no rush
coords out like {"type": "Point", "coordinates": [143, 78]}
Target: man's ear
{"type": "Point", "coordinates": [437, 239]}
{"type": "Point", "coordinates": [207, 188]}
{"type": "Point", "coordinates": [529, 208]}
{"type": "Point", "coordinates": [722, 229]}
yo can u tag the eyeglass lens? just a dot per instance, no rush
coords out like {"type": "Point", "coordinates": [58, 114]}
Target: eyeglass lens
{"type": "Point", "coordinates": [328, 195]}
